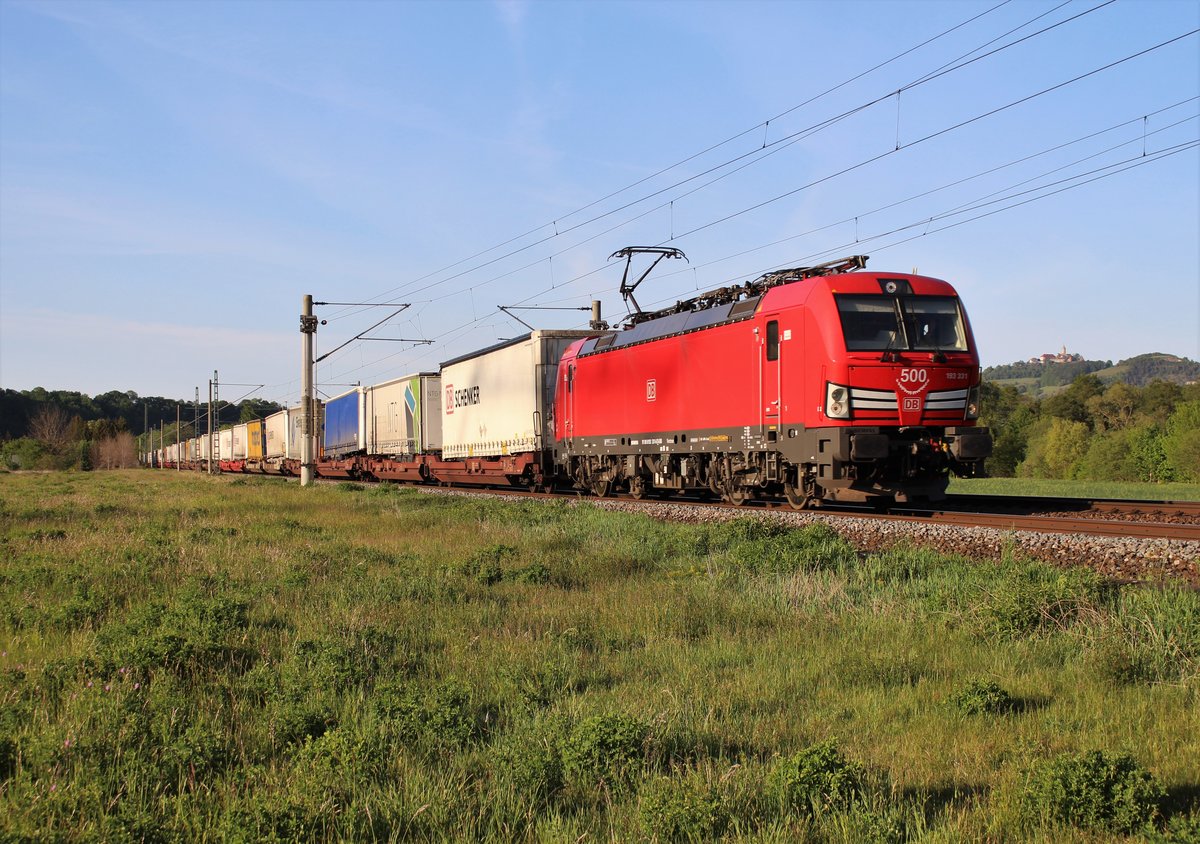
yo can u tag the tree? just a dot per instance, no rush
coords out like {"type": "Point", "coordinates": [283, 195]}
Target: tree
{"type": "Point", "coordinates": [1115, 409]}
{"type": "Point", "coordinates": [1158, 400]}
{"type": "Point", "coordinates": [1071, 403]}
{"type": "Point", "coordinates": [1009, 414]}
{"type": "Point", "coordinates": [1146, 451]}
{"type": "Point", "coordinates": [51, 426]}
{"type": "Point", "coordinates": [1181, 445]}
{"type": "Point", "coordinates": [1110, 457]}
{"type": "Point", "coordinates": [1056, 447]}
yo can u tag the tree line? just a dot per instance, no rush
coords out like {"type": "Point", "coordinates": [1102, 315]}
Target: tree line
{"type": "Point", "coordinates": [1089, 431]}
{"type": "Point", "coordinates": [60, 429]}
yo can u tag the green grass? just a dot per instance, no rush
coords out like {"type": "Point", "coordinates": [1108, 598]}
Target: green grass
{"type": "Point", "coordinates": [1075, 489]}
{"type": "Point", "coordinates": [189, 659]}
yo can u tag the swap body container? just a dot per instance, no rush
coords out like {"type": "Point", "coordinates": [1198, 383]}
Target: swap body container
{"type": "Point", "coordinates": [500, 401]}
{"type": "Point", "coordinates": [240, 439]}
{"type": "Point", "coordinates": [255, 445]}
{"type": "Point", "coordinates": [345, 424]}
{"type": "Point", "coordinates": [295, 419]}
{"type": "Point", "coordinates": [275, 428]}
{"type": "Point", "coordinates": [404, 416]}
{"type": "Point", "coordinates": [225, 444]}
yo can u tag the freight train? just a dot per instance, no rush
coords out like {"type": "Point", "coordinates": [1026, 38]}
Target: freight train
{"type": "Point", "coordinates": [813, 384]}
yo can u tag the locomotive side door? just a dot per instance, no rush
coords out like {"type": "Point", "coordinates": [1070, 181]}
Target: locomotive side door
{"type": "Point", "coordinates": [569, 404]}
{"type": "Point", "coordinates": [770, 370]}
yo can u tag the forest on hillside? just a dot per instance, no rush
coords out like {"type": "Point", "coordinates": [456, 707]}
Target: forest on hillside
{"type": "Point", "coordinates": [62, 429]}
{"type": "Point", "coordinates": [1093, 431]}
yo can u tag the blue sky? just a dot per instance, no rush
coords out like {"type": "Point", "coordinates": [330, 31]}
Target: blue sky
{"type": "Point", "coordinates": [175, 176]}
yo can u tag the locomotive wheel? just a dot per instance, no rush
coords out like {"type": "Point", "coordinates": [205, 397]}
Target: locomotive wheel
{"type": "Point", "coordinates": [797, 499]}
{"type": "Point", "coordinates": [601, 488]}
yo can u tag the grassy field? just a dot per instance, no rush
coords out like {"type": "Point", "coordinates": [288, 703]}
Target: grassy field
{"type": "Point", "coordinates": [191, 659]}
{"type": "Point", "coordinates": [1075, 489]}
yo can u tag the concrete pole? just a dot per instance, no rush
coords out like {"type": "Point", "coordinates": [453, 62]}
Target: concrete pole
{"type": "Point", "coordinates": [210, 427]}
{"type": "Point", "coordinates": [178, 456]}
{"type": "Point", "coordinates": [595, 326]}
{"type": "Point", "coordinates": [308, 420]}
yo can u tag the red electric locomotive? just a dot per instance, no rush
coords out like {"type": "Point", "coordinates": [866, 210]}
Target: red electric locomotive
{"type": "Point", "coordinates": [817, 383]}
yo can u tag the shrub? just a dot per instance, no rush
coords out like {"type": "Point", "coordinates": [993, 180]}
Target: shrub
{"type": "Point", "coordinates": [605, 749]}
{"type": "Point", "coordinates": [294, 723]}
{"type": "Point", "coordinates": [531, 760]}
{"type": "Point", "coordinates": [815, 779]}
{"type": "Point", "coordinates": [535, 574]}
{"type": "Point", "coordinates": [1154, 637]}
{"type": "Point", "coordinates": [766, 546]}
{"type": "Point", "coordinates": [1093, 791]}
{"type": "Point", "coordinates": [682, 810]}
{"type": "Point", "coordinates": [197, 632]}
{"type": "Point", "coordinates": [485, 565]}
{"type": "Point", "coordinates": [1037, 598]}
{"type": "Point", "coordinates": [8, 758]}
{"type": "Point", "coordinates": [434, 718]}
{"type": "Point", "coordinates": [981, 697]}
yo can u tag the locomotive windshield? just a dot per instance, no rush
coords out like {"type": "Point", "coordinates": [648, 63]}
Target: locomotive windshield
{"type": "Point", "coordinates": [875, 323]}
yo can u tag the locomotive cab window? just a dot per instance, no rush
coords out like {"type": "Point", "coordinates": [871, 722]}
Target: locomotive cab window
{"type": "Point", "coordinates": [874, 322]}
{"type": "Point", "coordinates": [773, 340]}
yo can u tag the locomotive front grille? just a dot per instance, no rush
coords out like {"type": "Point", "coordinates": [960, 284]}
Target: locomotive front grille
{"type": "Point", "coordinates": [884, 400]}
{"type": "Point", "coordinates": [863, 399]}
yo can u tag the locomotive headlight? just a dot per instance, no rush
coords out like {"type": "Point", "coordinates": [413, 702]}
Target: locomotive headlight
{"type": "Point", "coordinates": [837, 401]}
{"type": "Point", "coordinates": [973, 403]}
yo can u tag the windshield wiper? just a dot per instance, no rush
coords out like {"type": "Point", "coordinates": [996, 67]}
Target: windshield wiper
{"type": "Point", "coordinates": [889, 355]}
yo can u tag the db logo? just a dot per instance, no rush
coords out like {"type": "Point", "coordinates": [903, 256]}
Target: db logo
{"type": "Point", "coordinates": [651, 389]}
{"type": "Point", "coordinates": [912, 403]}
{"type": "Point", "coordinates": [449, 398]}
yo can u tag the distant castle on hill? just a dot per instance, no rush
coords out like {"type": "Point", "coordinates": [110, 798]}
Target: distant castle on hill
{"type": "Point", "coordinates": [1062, 357]}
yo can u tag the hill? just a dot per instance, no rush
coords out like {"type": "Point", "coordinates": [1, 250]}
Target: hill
{"type": "Point", "coordinates": [1042, 379]}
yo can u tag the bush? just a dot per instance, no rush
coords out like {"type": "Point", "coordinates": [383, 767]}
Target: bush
{"type": "Point", "coordinates": [1093, 791]}
{"type": "Point", "coordinates": [485, 565]}
{"type": "Point", "coordinates": [815, 779]}
{"type": "Point", "coordinates": [682, 810]}
{"type": "Point", "coordinates": [8, 758]}
{"type": "Point", "coordinates": [981, 697]}
{"type": "Point", "coordinates": [1037, 598]}
{"type": "Point", "coordinates": [605, 749]}
{"type": "Point", "coordinates": [441, 717]}
{"type": "Point", "coordinates": [767, 546]}
{"type": "Point", "coordinates": [532, 762]}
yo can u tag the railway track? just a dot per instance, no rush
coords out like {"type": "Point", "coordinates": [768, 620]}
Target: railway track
{"type": "Point", "coordinates": [1178, 520]}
